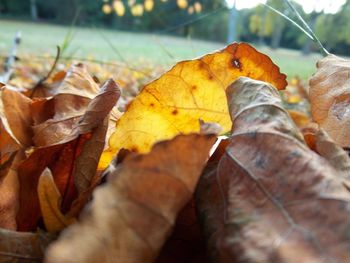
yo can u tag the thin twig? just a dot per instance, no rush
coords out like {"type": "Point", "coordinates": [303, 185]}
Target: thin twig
{"type": "Point", "coordinates": [166, 51]}
{"type": "Point", "coordinates": [323, 50]}
{"type": "Point", "coordinates": [114, 49]}
{"type": "Point", "coordinates": [42, 80]}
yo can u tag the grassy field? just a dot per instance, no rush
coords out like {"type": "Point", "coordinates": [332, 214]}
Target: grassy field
{"type": "Point", "coordinates": [134, 48]}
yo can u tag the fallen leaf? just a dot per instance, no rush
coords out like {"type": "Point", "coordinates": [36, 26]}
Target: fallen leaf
{"type": "Point", "coordinates": [23, 247]}
{"type": "Point", "coordinates": [50, 204]}
{"type": "Point", "coordinates": [77, 81]}
{"type": "Point", "coordinates": [190, 91]}
{"type": "Point", "coordinates": [72, 159]}
{"type": "Point", "coordinates": [330, 98]}
{"type": "Point", "coordinates": [72, 117]}
{"type": "Point", "coordinates": [336, 156]}
{"type": "Point", "coordinates": [9, 192]}
{"type": "Point", "coordinates": [209, 127]}
{"type": "Point", "coordinates": [132, 215]}
{"type": "Point", "coordinates": [15, 115]}
{"type": "Point", "coordinates": [270, 198]}
{"type": "Point", "coordinates": [299, 118]}
{"type": "Point", "coordinates": [186, 243]}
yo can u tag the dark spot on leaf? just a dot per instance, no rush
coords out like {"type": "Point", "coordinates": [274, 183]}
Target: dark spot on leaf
{"type": "Point", "coordinates": [151, 105]}
{"type": "Point", "coordinates": [236, 64]}
{"type": "Point", "coordinates": [201, 65]}
{"type": "Point", "coordinates": [175, 112]}
{"type": "Point", "coordinates": [194, 87]}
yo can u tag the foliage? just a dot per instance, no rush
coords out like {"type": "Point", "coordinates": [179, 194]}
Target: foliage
{"type": "Point", "coordinates": [275, 185]}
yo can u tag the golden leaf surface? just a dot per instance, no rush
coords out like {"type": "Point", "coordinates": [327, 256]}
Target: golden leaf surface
{"type": "Point", "coordinates": [190, 91]}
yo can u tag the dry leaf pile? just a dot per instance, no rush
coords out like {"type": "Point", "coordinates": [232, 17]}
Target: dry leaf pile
{"type": "Point", "coordinates": [97, 172]}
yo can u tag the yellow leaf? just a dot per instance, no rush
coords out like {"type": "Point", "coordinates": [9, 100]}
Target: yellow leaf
{"type": "Point", "coordinates": [119, 7]}
{"type": "Point", "coordinates": [149, 4]}
{"type": "Point", "coordinates": [190, 91]}
{"type": "Point", "coordinates": [106, 9]}
{"type": "Point", "coordinates": [182, 4]}
{"type": "Point", "coordinates": [137, 10]}
{"type": "Point", "coordinates": [197, 7]}
{"type": "Point", "coordinates": [50, 202]}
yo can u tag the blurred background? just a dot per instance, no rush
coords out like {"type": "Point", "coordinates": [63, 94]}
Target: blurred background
{"type": "Point", "coordinates": [146, 37]}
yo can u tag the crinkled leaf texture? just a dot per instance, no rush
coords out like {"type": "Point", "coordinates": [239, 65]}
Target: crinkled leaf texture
{"type": "Point", "coordinates": [330, 98]}
{"type": "Point", "coordinates": [72, 154]}
{"type": "Point", "coordinates": [17, 247]}
{"type": "Point", "coordinates": [269, 198]}
{"type": "Point", "coordinates": [190, 91]}
{"type": "Point", "coordinates": [132, 215]}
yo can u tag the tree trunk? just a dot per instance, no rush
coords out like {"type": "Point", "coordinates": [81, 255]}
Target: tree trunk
{"type": "Point", "coordinates": [276, 37]}
{"type": "Point", "coordinates": [232, 24]}
{"type": "Point", "coordinates": [308, 44]}
{"type": "Point", "coordinates": [262, 28]}
{"type": "Point", "coordinates": [34, 10]}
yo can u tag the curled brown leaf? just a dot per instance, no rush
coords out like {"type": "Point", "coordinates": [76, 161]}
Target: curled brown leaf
{"type": "Point", "coordinates": [131, 216]}
{"type": "Point", "coordinates": [272, 198]}
{"type": "Point", "coordinates": [330, 98]}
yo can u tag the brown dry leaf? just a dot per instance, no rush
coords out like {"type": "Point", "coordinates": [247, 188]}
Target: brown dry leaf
{"type": "Point", "coordinates": [9, 192]}
{"type": "Point", "coordinates": [186, 243]}
{"type": "Point", "coordinates": [17, 247]}
{"type": "Point", "coordinates": [50, 204]}
{"type": "Point", "coordinates": [270, 198]}
{"type": "Point", "coordinates": [73, 159]}
{"type": "Point", "coordinates": [78, 81]}
{"type": "Point", "coordinates": [15, 115]}
{"type": "Point", "coordinates": [336, 156]}
{"type": "Point", "coordinates": [330, 98]}
{"type": "Point", "coordinates": [132, 215]}
{"type": "Point", "coordinates": [190, 91]}
{"type": "Point", "coordinates": [75, 115]}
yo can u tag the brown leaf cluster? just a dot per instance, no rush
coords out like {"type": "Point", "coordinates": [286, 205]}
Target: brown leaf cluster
{"type": "Point", "coordinates": [63, 131]}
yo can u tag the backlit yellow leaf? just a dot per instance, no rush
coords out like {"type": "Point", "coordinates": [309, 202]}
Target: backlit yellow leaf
{"type": "Point", "coordinates": [149, 4]}
{"type": "Point", "coordinates": [137, 10]}
{"type": "Point", "coordinates": [106, 9]}
{"type": "Point", "coordinates": [190, 91]}
{"type": "Point", "coordinates": [182, 4]}
{"type": "Point", "coordinates": [119, 7]}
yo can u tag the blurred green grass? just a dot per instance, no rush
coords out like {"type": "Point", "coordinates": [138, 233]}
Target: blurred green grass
{"type": "Point", "coordinates": [134, 48]}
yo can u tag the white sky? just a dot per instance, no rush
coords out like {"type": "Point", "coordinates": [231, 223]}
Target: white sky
{"type": "Point", "coordinates": [329, 6]}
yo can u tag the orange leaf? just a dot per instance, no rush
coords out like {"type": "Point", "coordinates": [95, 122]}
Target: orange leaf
{"type": "Point", "coordinates": [190, 91]}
